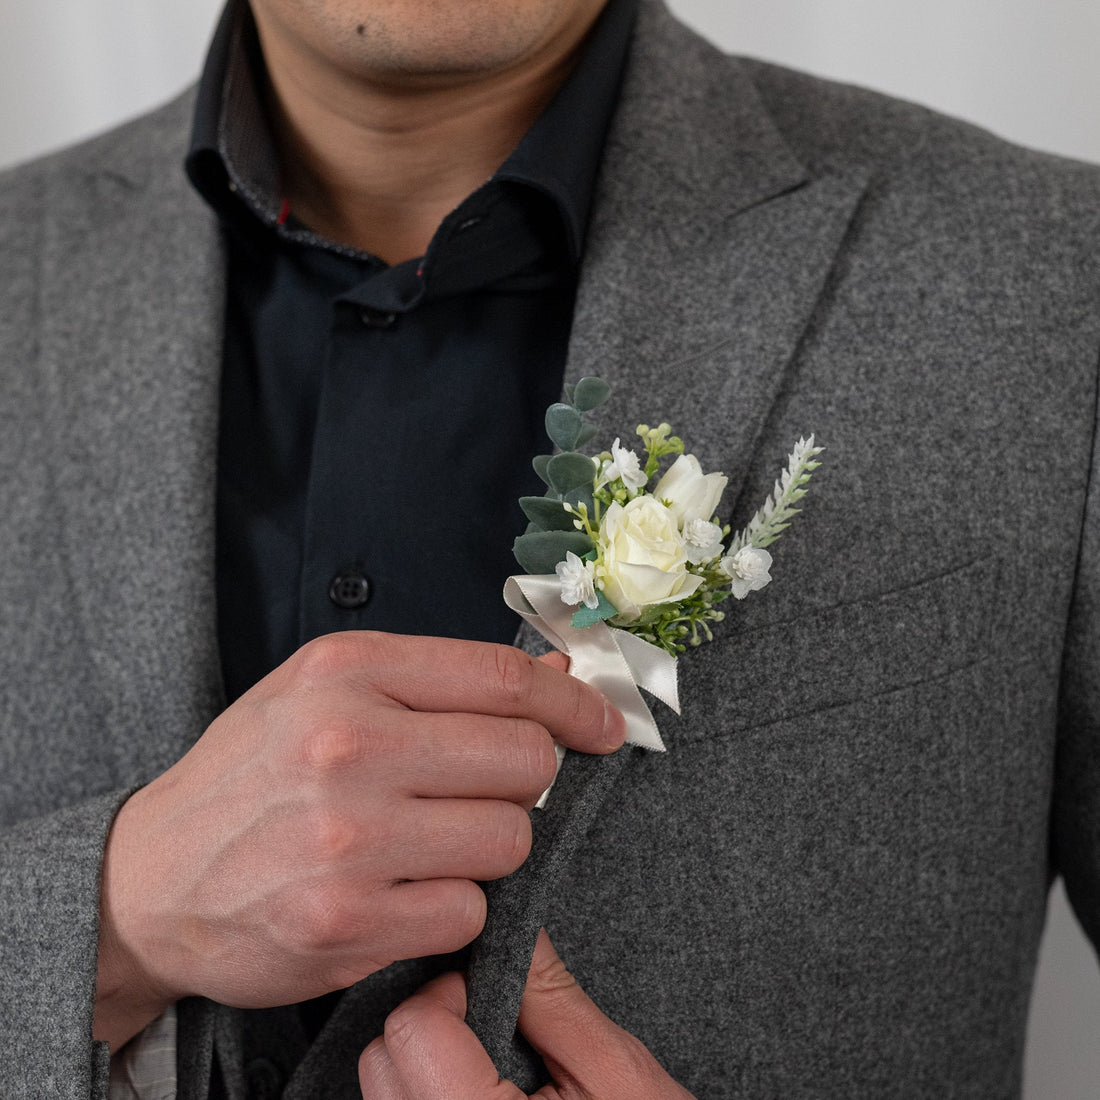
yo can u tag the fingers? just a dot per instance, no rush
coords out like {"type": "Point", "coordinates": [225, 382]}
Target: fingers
{"type": "Point", "coordinates": [428, 1051]}
{"type": "Point", "coordinates": [587, 1054]}
{"type": "Point", "coordinates": [427, 756]}
{"type": "Point", "coordinates": [467, 838]}
{"type": "Point", "coordinates": [453, 675]}
{"type": "Point", "coordinates": [472, 756]}
{"type": "Point", "coordinates": [433, 917]}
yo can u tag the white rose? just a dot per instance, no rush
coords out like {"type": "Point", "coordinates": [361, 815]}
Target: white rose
{"type": "Point", "coordinates": [747, 570]}
{"type": "Point", "coordinates": [689, 493]}
{"type": "Point", "coordinates": [642, 558]}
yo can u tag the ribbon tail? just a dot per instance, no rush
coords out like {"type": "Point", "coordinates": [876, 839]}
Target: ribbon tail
{"type": "Point", "coordinates": [651, 668]}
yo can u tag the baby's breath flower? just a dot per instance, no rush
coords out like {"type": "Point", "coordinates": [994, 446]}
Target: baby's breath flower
{"type": "Point", "coordinates": [702, 540]}
{"type": "Point", "coordinates": [577, 578]}
{"type": "Point", "coordinates": [747, 570]}
{"type": "Point", "coordinates": [625, 465]}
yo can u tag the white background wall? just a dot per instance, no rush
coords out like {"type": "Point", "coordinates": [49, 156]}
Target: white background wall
{"type": "Point", "coordinates": [1026, 69]}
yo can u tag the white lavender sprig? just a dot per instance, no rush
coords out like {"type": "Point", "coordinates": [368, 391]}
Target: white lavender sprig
{"type": "Point", "coordinates": [779, 509]}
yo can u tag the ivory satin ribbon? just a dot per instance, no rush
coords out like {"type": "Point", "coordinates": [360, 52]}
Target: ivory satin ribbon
{"type": "Point", "coordinates": [615, 662]}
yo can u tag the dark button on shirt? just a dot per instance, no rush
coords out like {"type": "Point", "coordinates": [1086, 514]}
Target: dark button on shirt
{"type": "Point", "coordinates": [378, 421]}
{"type": "Point", "coordinates": [349, 588]}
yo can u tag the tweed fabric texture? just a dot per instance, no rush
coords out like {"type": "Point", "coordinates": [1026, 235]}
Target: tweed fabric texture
{"type": "Point", "coordinates": [834, 882]}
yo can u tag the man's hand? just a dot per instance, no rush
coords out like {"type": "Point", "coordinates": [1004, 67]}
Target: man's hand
{"type": "Point", "coordinates": [334, 819]}
{"type": "Point", "coordinates": [428, 1053]}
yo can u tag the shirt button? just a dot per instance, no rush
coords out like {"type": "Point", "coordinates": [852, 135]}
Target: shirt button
{"type": "Point", "coordinates": [349, 589]}
{"type": "Point", "coordinates": [376, 318]}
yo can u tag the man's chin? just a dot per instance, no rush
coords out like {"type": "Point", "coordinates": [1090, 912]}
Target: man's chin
{"type": "Point", "coordinates": [431, 42]}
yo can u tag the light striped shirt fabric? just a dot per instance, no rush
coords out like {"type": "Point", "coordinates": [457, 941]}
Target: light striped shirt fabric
{"type": "Point", "coordinates": [145, 1068]}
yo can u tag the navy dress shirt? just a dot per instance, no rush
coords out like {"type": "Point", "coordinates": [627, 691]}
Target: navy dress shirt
{"type": "Point", "coordinates": [378, 422]}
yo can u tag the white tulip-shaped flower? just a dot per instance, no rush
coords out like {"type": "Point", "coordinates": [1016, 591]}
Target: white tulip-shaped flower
{"type": "Point", "coordinates": [688, 492]}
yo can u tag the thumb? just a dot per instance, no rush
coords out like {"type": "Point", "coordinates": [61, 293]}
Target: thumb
{"type": "Point", "coordinates": [587, 1054]}
{"type": "Point", "coordinates": [556, 659]}
{"type": "Point", "coordinates": [428, 1051]}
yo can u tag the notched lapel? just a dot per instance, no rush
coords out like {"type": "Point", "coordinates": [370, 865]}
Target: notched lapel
{"type": "Point", "coordinates": [132, 301]}
{"type": "Point", "coordinates": [709, 248]}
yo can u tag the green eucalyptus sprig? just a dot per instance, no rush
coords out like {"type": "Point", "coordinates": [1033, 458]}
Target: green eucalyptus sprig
{"type": "Point", "coordinates": [569, 478]}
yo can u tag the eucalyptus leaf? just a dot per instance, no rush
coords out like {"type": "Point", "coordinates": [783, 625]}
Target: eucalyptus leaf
{"type": "Point", "coordinates": [563, 425]}
{"type": "Point", "coordinates": [588, 616]}
{"type": "Point", "coordinates": [588, 431]}
{"type": "Point", "coordinates": [590, 392]}
{"type": "Point", "coordinates": [540, 462]}
{"type": "Point", "coordinates": [540, 551]}
{"type": "Point", "coordinates": [568, 389]}
{"type": "Point", "coordinates": [570, 471]}
{"type": "Point", "coordinates": [547, 514]}
{"type": "Point", "coordinates": [583, 495]}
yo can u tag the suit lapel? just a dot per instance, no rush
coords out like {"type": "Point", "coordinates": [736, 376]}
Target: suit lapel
{"type": "Point", "coordinates": [132, 300]}
{"type": "Point", "coordinates": [709, 249]}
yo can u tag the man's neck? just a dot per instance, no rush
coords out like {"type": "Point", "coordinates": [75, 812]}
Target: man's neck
{"type": "Point", "coordinates": [378, 163]}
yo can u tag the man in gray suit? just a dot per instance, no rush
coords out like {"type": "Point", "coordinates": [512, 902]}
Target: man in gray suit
{"type": "Point", "coordinates": [834, 882]}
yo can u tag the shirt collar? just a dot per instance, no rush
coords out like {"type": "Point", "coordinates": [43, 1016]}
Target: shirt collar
{"type": "Point", "coordinates": [232, 160]}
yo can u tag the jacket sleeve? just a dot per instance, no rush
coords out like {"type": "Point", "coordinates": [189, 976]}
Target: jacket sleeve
{"type": "Point", "coordinates": [1075, 820]}
{"type": "Point", "coordinates": [49, 926]}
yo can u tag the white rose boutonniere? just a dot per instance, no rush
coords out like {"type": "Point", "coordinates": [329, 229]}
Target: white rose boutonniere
{"type": "Point", "coordinates": [641, 559]}
{"type": "Point", "coordinates": [624, 580]}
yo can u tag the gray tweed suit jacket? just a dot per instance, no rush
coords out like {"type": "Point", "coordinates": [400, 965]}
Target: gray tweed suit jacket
{"type": "Point", "coordinates": [833, 884]}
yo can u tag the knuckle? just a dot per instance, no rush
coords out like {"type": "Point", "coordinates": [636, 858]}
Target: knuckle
{"type": "Point", "coordinates": [324, 918]}
{"type": "Point", "coordinates": [332, 744]}
{"type": "Point", "coordinates": [330, 655]}
{"type": "Point", "coordinates": [403, 1025]}
{"type": "Point", "coordinates": [510, 672]}
{"type": "Point", "coordinates": [327, 835]}
{"type": "Point", "coordinates": [550, 977]}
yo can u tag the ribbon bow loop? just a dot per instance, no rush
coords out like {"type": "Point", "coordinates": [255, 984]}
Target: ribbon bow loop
{"type": "Point", "coordinates": [614, 662]}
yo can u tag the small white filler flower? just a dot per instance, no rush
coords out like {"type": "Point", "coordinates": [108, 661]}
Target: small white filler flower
{"type": "Point", "coordinates": [578, 584]}
{"type": "Point", "coordinates": [747, 570]}
{"type": "Point", "coordinates": [624, 464]}
{"type": "Point", "coordinates": [702, 540]}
